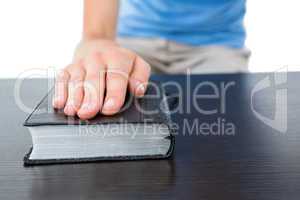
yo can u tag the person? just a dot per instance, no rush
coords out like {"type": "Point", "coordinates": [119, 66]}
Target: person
{"type": "Point", "coordinates": [121, 40]}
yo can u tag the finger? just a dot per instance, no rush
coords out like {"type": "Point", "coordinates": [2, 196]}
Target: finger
{"type": "Point", "coordinates": [94, 87]}
{"type": "Point", "coordinates": [139, 77]}
{"type": "Point", "coordinates": [119, 65]}
{"type": "Point", "coordinates": [61, 90]}
{"type": "Point", "coordinates": [75, 89]}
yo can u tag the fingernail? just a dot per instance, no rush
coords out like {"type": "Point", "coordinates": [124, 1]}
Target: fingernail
{"type": "Point", "coordinates": [109, 104]}
{"type": "Point", "coordinates": [141, 89]}
{"type": "Point", "coordinates": [69, 109]}
{"type": "Point", "coordinates": [86, 106]}
{"type": "Point", "coordinates": [56, 100]}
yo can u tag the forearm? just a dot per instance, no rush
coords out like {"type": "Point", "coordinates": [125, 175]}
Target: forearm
{"type": "Point", "coordinates": [100, 19]}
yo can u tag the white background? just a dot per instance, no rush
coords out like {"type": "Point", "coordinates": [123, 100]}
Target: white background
{"type": "Point", "coordinates": [43, 33]}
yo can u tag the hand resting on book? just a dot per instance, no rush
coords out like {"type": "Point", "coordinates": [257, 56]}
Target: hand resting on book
{"type": "Point", "coordinates": [97, 80]}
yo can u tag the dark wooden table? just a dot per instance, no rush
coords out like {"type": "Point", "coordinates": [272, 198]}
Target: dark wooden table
{"type": "Point", "coordinates": [256, 162]}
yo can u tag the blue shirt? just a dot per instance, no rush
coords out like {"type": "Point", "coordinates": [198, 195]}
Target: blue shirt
{"type": "Point", "coordinates": [192, 22]}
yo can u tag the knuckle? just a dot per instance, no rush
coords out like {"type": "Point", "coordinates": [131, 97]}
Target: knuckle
{"type": "Point", "coordinates": [120, 54]}
{"type": "Point", "coordinates": [117, 75]}
{"type": "Point", "coordinates": [143, 64]}
{"type": "Point", "coordinates": [92, 81]}
{"type": "Point", "coordinates": [120, 68]}
{"type": "Point", "coordinates": [111, 53]}
{"type": "Point", "coordinates": [95, 76]}
{"type": "Point", "coordinates": [120, 60]}
{"type": "Point", "coordinates": [130, 54]}
{"type": "Point", "coordinates": [77, 74]}
{"type": "Point", "coordinates": [63, 75]}
{"type": "Point", "coordinates": [94, 57]}
{"type": "Point", "coordinates": [92, 76]}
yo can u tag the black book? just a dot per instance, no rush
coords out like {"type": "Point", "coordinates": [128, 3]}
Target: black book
{"type": "Point", "coordinates": [141, 130]}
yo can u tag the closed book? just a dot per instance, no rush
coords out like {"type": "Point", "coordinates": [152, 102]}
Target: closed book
{"type": "Point", "coordinates": [141, 130]}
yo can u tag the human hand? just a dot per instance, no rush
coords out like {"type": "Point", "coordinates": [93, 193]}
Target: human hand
{"type": "Point", "coordinates": [98, 78]}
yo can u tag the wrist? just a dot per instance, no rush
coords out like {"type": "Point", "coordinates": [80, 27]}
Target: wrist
{"type": "Point", "coordinates": [96, 39]}
{"type": "Point", "coordinates": [90, 45]}
{"type": "Point", "coordinates": [88, 36]}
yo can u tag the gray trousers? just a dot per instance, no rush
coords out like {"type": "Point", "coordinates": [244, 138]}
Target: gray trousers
{"type": "Point", "coordinates": [173, 58]}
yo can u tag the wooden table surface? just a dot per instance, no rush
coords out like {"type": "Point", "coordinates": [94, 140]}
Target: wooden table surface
{"type": "Point", "coordinates": [255, 162]}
